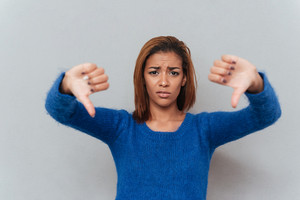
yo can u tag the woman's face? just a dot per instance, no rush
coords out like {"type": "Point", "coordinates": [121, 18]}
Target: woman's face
{"type": "Point", "coordinates": [163, 78]}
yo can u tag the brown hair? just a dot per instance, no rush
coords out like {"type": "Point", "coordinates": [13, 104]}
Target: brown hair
{"type": "Point", "coordinates": [187, 95]}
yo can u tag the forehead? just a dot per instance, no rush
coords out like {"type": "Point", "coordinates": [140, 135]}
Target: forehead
{"type": "Point", "coordinates": [160, 59]}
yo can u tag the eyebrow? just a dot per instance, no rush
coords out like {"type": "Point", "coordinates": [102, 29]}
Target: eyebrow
{"type": "Point", "coordinates": [170, 68]}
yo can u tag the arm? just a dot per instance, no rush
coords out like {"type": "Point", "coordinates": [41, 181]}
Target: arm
{"type": "Point", "coordinates": [263, 111]}
{"type": "Point", "coordinates": [104, 124]}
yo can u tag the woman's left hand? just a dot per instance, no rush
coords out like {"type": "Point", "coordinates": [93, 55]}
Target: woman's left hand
{"type": "Point", "coordinates": [237, 73]}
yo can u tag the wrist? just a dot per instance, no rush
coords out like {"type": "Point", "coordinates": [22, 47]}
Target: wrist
{"type": "Point", "coordinates": [63, 88]}
{"type": "Point", "coordinates": [257, 85]}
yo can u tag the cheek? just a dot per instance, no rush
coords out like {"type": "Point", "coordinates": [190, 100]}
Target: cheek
{"type": "Point", "coordinates": [148, 86]}
{"type": "Point", "coordinates": [178, 90]}
{"type": "Point", "coordinates": [179, 87]}
{"type": "Point", "coordinates": [149, 82]}
{"type": "Point", "coordinates": [180, 82]}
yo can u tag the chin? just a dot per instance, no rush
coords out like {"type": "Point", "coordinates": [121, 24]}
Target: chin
{"type": "Point", "coordinates": [165, 104]}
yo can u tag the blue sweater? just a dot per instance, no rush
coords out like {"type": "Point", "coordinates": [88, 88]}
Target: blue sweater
{"type": "Point", "coordinates": [164, 165]}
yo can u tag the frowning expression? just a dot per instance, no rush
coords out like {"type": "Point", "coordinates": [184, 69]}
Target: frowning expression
{"type": "Point", "coordinates": [164, 78]}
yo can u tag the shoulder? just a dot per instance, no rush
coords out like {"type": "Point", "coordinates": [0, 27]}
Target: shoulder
{"type": "Point", "coordinates": [198, 120]}
{"type": "Point", "coordinates": [115, 120]}
{"type": "Point", "coordinates": [111, 113]}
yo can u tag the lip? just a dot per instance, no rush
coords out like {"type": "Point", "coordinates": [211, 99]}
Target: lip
{"type": "Point", "coordinates": [163, 94]}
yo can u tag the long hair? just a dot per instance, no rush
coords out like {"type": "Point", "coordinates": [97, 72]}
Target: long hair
{"type": "Point", "coordinates": [187, 95]}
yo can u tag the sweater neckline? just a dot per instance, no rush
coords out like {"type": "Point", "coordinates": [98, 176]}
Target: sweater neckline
{"type": "Point", "coordinates": [161, 135]}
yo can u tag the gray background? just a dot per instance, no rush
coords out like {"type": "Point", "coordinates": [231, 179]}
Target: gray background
{"type": "Point", "coordinates": [40, 159]}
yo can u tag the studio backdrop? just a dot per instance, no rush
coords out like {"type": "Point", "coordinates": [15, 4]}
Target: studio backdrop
{"type": "Point", "coordinates": [43, 160]}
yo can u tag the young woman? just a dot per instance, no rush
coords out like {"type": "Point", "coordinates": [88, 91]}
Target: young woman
{"type": "Point", "coordinates": [160, 150]}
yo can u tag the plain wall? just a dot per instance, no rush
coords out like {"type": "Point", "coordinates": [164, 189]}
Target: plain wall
{"type": "Point", "coordinates": [41, 159]}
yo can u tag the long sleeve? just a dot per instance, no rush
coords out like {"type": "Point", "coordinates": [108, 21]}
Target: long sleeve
{"type": "Point", "coordinates": [263, 110]}
{"type": "Point", "coordinates": [106, 125]}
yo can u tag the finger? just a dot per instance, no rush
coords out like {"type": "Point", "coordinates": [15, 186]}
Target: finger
{"type": "Point", "coordinates": [96, 72]}
{"type": "Point", "coordinates": [88, 105]}
{"type": "Point", "coordinates": [98, 79]}
{"type": "Point", "coordinates": [231, 59]}
{"type": "Point", "coordinates": [220, 71]}
{"type": "Point", "coordinates": [217, 79]}
{"type": "Point", "coordinates": [87, 68]}
{"type": "Point", "coordinates": [100, 87]}
{"type": "Point", "coordinates": [222, 64]}
{"type": "Point", "coordinates": [236, 95]}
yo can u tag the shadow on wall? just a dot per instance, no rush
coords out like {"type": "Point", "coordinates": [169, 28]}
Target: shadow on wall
{"type": "Point", "coordinates": [230, 178]}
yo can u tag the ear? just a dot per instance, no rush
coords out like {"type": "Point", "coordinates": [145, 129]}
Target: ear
{"type": "Point", "coordinates": [183, 81]}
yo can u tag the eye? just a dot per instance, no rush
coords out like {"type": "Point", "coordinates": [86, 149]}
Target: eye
{"type": "Point", "coordinates": [173, 73]}
{"type": "Point", "coordinates": [153, 72]}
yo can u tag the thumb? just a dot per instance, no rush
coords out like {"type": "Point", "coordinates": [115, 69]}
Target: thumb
{"type": "Point", "coordinates": [87, 103]}
{"type": "Point", "coordinates": [236, 95]}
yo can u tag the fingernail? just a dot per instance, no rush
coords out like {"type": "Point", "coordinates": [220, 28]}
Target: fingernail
{"type": "Point", "coordinates": [89, 83]}
{"type": "Point", "coordinates": [229, 73]}
{"type": "Point", "coordinates": [92, 90]}
{"type": "Point", "coordinates": [232, 68]}
{"type": "Point", "coordinates": [82, 73]}
{"type": "Point", "coordinates": [86, 77]}
{"type": "Point", "coordinates": [233, 62]}
{"type": "Point", "coordinates": [224, 80]}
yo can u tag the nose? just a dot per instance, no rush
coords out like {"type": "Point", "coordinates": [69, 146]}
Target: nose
{"type": "Point", "coordinates": [164, 80]}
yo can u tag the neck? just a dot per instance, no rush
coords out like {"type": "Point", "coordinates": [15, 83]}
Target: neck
{"type": "Point", "coordinates": [165, 114]}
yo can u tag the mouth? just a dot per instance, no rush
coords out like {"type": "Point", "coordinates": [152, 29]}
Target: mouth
{"type": "Point", "coordinates": [163, 94]}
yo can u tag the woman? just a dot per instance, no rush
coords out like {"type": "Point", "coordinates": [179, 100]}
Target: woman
{"type": "Point", "coordinates": [160, 150]}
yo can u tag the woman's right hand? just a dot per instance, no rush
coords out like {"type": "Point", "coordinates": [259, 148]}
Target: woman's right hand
{"type": "Point", "coordinates": [82, 81]}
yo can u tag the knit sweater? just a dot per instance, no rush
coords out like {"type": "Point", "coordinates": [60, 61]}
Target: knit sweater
{"type": "Point", "coordinates": [164, 165]}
